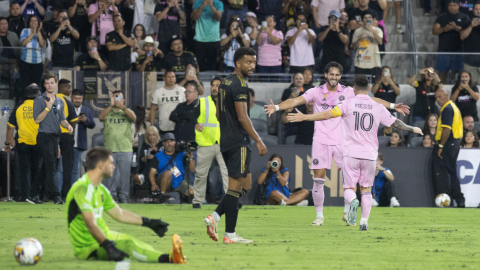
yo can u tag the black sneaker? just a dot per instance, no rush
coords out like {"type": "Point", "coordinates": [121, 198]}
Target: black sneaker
{"type": "Point", "coordinates": [20, 199]}
{"type": "Point", "coordinates": [363, 227]}
{"type": "Point", "coordinates": [58, 200]}
{"type": "Point", "coordinates": [197, 205]}
{"type": "Point", "coordinates": [34, 200]}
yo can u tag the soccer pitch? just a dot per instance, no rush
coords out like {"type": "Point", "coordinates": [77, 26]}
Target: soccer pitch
{"type": "Point", "coordinates": [399, 238]}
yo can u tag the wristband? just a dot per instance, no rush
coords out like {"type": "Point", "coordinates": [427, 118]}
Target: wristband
{"type": "Point", "coordinates": [46, 109]}
{"type": "Point", "coordinates": [7, 143]}
{"type": "Point", "coordinates": [392, 106]}
{"type": "Point", "coordinates": [277, 108]}
{"type": "Point", "coordinates": [440, 146]}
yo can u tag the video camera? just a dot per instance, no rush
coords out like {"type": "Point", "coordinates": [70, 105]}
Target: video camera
{"type": "Point", "coordinates": [183, 146]}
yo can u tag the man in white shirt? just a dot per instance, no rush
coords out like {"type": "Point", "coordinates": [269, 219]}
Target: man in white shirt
{"type": "Point", "coordinates": [166, 100]}
{"type": "Point", "coordinates": [301, 39]}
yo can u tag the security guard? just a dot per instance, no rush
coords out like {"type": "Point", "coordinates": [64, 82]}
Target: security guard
{"type": "Point", "coordinates": [448, 136]}
{"type": "Point", "coordinates": [207, 135]}
{"type": "Point", "coordinates": [26, 148]}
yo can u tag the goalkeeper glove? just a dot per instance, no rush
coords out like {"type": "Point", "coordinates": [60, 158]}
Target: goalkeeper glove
{"type": "Point", "coordinates": [113, 253]}
{"type": "Point", "coordinates": [158, 226]}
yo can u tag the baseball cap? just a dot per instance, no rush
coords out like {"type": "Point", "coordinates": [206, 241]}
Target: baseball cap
{"type": "Point", "coordinates": [168, 136]}
{"type": "Point", "coordinates": [335, 13]}
{"type": "Point", "coordinates": [92, 38]}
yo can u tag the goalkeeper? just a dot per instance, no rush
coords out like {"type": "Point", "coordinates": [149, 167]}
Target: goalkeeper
{"type": "Point", "coordinates": [88, 232]}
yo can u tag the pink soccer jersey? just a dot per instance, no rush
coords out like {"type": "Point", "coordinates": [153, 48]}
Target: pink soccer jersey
{"type": "Point", "coordinates": [328, 132]}
{"type": "Point", "coordinates": [361, 118]}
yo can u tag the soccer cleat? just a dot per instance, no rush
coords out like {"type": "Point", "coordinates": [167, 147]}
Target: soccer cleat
{"type": "Point", "coordinates": [58, 200]}
{"type": "Point", "coordinates": [236, 240]}
{"type": "Point", "coordinates": [394, 202]}
{"type": "Point", "coordinates": [374, 203]}
{"type": "Point", "coordinates": [176, 254]}
{"type": "Point", "coordinates": [352, 213]}
{"type": "Point", "coordinates": [363, 227]}
{"type": "Point", "coordinates": [212, 227]}
{"type": "Point", "coordinates": [317, 222]}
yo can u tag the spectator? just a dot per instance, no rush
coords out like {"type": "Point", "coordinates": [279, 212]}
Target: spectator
{"type": "Point", "coordinates": [398, 13]}
{"type": "Point", "coordinates": [469, 124]}
{"type": "Point", "coordinates": [139, 35]}
{"type": "Point", "coordinates": [207, 14]}
{"type": "Point", "coordinates": [151, 145]}
{"type": "Point", "coordinates": [333, 38]}
{"type": "Point", "coordinates": [470, 35]}
{"type": "Point", "coordinates": [386, 88]}
{"type": "Point", "coordinates": [320, 9]}
{"type": "Point", "coordinates": [168, 169]}
{"type": "Point", "coordinates": [256, 111]}
{"type": "Point", "coordinates": [166, 99]}
{"type": "Point", "coordinates": [430, 126]}
{"type": "Point", "coordinates": [269, 43]}
{"type": "Point", "coordinates": [92, 60]}
{"type": "Point", "coordinates": [386, 131]}
{"type": "Point", "coordinates": [355, 18]}
{"type": "Point", "coordinates": [234, 8]}
{"type": "Point", "coordinates": [290, 128]}
{"type": "Point", "coordinates": [305, 128]}
{"type": "Point", "coordinates": [366, 40]}
{"type": "Point", "coordinates": [428, 140]}
{"type": "Point", "coordinates": [53, 21]}
{"type": "Point", "coordinates": [144, 14]}
{"type": "Point", "coordinates": [8, 57]}
{"type": "Point", "coordinates": [383, 189]}
{"type": "Point", "coordinates": [378, 6]}
{"type": "Point", "coordinates": [78, 12]}
{"type": "Point", "coordinates": [50, 116]}
{"type": "Point", "coordinates": [179, 60]}
{"type": "Point", "coordinates": [31, 7]}
{"type": "Point", "coordinates": [16, 22]}
{"type": "Point", "coordinates": [272, 9]}
{"type": "Point", "coordinates": [277, 178]}
{"type": "Point", "coordinates": [31, 61]}
{"type": "Point", "coordinates": [26, 148]}
{"type": "Point", "coordinates": [117, 120]}
{"type": "Point", "coordinates": [347, 51]}
{"type": "Point", "coordinates": [252, 27]}
{"type": "Point", "coordinates": [292, 7]}
{"type": "Point", "coordinates": [425, 93]}
{"type": "Point", "coordinates": [307, 79]}
{"type": "Point", "coordinates": [168, 15]}
{"type": "Point", "coordinates": [298, 83]}
{"type": "Point", "coordinates": [448, 26]}
{"type": "Point", "coordinates": [184, 116]}
{"type": "Point", "coordinates": [233, 39]}
{"type": "Point", "coordinates": [465, 95]}
{"type": "Point", "coordinates": [469, 140]}
{"type": "Point", "coordinates": [301, 39]}
{"type": "Point", "coordinates": [62, 36]}
{"type": "Point", "coordinates": [396, 140]}
{"type": "Point", "coordinates": [100, 15]}
{"type": "Point", "coordinates": [85, 121]}
{"type": "Point", "coordinates": [152, 59]}
{"type": "Point", "coordinates": [140, 126]}
{"type": "Point", "coordinates": [118, 43]}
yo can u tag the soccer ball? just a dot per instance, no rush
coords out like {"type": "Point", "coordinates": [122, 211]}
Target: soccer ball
{"type": "Point", "coordinates": [28, 251]}
{"type": "Point", "coordinates": [442, 200]}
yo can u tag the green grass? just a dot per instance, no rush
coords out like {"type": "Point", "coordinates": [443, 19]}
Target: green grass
{"type": "Point", "coordinates": [402, 238]}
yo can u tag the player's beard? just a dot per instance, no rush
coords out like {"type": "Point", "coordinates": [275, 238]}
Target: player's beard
{"type": "Point", "coordinates": [245, 72]}
{"type": "Point", "coordinates": [329, 81]}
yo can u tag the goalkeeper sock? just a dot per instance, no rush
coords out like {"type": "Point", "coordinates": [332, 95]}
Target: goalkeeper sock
{"type": "Point", "coordinates": [231, 210]}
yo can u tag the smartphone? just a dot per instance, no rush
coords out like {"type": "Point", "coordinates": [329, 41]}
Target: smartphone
{"type": "Point", "coordinates": [118, 98]}
{"type": "Point", "coordinates": [369, 22]}
{"type": "Point", "coordinates": [235, 27]}
{"type": "Point", "coordinates": [264, 24]}
{"type": "Point", "coordinates": [81, 114]}
{"type": "Point", "coordinates": [64, 19]}
{"type": "Point", "coordinates": [303, 22]}
{"type": "Point", "coordinates": [334, 18]}
{"type": "Point", "coordinates": [386, 72]}
{"type": "Point", "coordinates": [149, 54]}
{"type": "Point", "coordinates": [191, 72]}
{"type": "Point", "coordinates": [94, 50]}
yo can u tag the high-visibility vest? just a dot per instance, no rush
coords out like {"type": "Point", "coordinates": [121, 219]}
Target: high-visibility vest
{"type": "Point", "coordinates": [208, 119]}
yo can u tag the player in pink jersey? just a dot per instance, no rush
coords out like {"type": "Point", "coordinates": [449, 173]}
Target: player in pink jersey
{"type": "Point", "coordinates": [361, 118]}
{"type": "Point", "coordinates": [328, 134]}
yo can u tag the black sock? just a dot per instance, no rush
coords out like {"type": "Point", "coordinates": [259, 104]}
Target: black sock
{"type": "Point", "coordinates": [231, 210]}
{"type": "Point", "coordinates": [164, 258]}
{"type": "Point", "coordinates": [220, 207]}
{"type": "Point", "coordinates": [243, 192]}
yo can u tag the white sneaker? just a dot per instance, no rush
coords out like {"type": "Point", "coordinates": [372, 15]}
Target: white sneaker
{"type": "Point", "coordinates": [303, 203]}
{"type": "Point", "coordinates": [374, 203]}
{"type": "Point", "coordinates": [317, 222]}
{"type": "Point", "coordinates": [394, 202]}
{"type": "Point", "coordinates": [236, 239]}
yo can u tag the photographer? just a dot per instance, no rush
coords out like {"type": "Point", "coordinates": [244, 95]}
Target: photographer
{"type": "Point", "coordinates": [168, 169]}
{"type": "Point", "coordinates": [383, 188]}
{"type": "Point", "coordinates": [150, 147]}
{"type": "Point", "coordinates": [277, 177]}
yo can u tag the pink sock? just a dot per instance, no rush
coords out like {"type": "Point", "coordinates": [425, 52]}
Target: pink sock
{"type": "Point", "coordinates": [349, 195]}
{"type": "Point", "coordinates": [366, 204]}
{"type": "Point", "coordinates": [318, 194]}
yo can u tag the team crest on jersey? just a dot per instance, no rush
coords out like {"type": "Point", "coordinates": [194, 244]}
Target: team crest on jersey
{"type": "Point", "coordinates": [324, 97]}
{"type": "Point", "coordinates": [341, 98]}
{"type": "Point", "coordinates": [315, 162]}
{"type": "Point", "coordinates": [325, 106]}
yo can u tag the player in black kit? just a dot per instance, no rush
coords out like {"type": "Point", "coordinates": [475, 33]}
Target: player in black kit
{"type": "Point", "coordinates": [236, 130]}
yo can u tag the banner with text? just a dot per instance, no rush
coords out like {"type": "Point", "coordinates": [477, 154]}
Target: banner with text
{"type": "Point", "coordinates": [468, 165]}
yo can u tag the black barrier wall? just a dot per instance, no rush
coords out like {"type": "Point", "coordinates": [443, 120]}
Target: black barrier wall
{"type": "Point", "coordinates": [410, 167]}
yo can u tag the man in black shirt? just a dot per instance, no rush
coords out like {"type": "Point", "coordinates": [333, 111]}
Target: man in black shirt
{"type": "Point", "coordinates": [152, 59]}
{"type": "Point", "coordinates": [448, 27]}
{"type": "Point", "coordinates": [16, 22]}
{"type": "Point", "coordinates": [236, 130]}
{"type": "Point", "coordinates": [92, 60]}
{"type": "Point", "coordinates": [305, 128]}
{"type": "Point", "coordinates": [184, 115]}
{"type": "Point", "coordinates": [333, 38]}
{"type": "Point", "coordinates": [118, 43]}
{"type": "Point", "coordinates": [471, 39]}
{"type": "Point", "coordinates": [52, 23]}
{"type": "Point", "coordinates": [178, 60]}
{"type": "Point", "coordinates": [168, 15]}
{"type": "Point", "coordinates": [62, 36]}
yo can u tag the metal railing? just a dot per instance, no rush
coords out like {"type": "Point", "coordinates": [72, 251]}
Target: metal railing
{"type": "Point", "coordinates": [410, 35]}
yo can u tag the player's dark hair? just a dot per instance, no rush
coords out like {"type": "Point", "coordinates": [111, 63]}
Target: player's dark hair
{"type": "Point", "coordinates": [251, 92]}
{"type": "Point", "coordinates": [193, 83]}
{"type": "Point", "coordinates": [95, 155]}
{"type": "Point", "coordinates": [360, 82]}
{"type": "Point", "coordinates": [241, 52]}
{"type": "Point", "coordinates": [282, 166]}
{"type": "Point", "coordinates": [14, 3]}
{"type": "Point", "coordinates": [77, 92]}
{"type": "Point", "coordinates": [215, 79]}
{"type": "Point", "coordinates": [63, 81]}
{"type": "Point", "coordinates": [333, 64]}
{"type": "Point", "coordinates": [49, 76]}
{"type": "Point", "coordinates": [380, 156]}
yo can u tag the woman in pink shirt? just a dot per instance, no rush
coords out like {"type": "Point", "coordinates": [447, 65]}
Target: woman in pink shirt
{"type": "Point", "coordinates": [100, 15]}
{"type": "Point", "coordinates": [269, 48]}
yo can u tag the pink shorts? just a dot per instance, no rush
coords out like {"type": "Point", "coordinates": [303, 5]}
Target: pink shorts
{"type": "Point", "coordinates": [360, 171]}
{"type": "Point", "coordinates": [322, 156]}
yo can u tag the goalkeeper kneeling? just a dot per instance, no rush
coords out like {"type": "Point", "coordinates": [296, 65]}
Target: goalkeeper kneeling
{"type": "Point", "coordinates": [88, 232]}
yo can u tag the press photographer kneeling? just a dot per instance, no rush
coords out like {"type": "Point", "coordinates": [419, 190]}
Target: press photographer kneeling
{"type": "Point", "coordinates": [167, 171]}
{"type": "Point", "coordinates": [277, 177]}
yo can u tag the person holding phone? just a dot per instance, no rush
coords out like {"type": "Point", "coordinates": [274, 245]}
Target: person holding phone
{"type": "Point", "coordinates": [470, 35]}
{"type": "Point", "coordinates": [32, 7]}
{"type": "Point", "coordinates": [92, 60]}
{"type": "Point", "coordinates": [333, 38]}
{"type": "Point", "coordinates": [100, 15]}
{"type": "Point", "coordinates": [233, 39]}
{"type": "Point", "coordinates": [152, 59]}
{"type": "Point", "coordinates": [301, 40]}
{"type": "Point", "coordinates": [385, 87]}
{"type": "Point", "coordinates": [62, 36]}
{"type": "Point", "coordinates": [269, 42]}
{"type": "Point", "coordinates": [465, 95]}
{"type": "Point", "coordinates": [425, 89]}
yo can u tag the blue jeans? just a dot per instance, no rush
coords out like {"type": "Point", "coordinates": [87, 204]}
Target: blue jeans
{"type": "Point", "coordinates": [229, 12]}
{"type": "Point", "coordinates": [77, 161]}
{"type": "Point", "coordinates": [446, 62]}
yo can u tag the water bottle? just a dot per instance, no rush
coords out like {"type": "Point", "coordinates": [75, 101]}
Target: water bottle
{"type": "Point", "coordinates": [134, 160]}
{"type": "Point", "coordinates": [5, 110]}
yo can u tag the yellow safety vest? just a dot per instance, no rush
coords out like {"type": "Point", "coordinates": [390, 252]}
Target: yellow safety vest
{"type": "Point", "coordinates": [208, 119]}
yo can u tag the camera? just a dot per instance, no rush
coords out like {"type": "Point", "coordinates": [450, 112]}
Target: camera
{"type": "Point", "coordinates": [183, 146]}
{"type": "Point", "coordinates": [275, 164]}
{"type": "Point", "coordinates": [64, 19]}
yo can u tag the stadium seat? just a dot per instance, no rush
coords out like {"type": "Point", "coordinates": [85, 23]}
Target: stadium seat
{"type": "Point", "coordinates": [477, 126]}
{"type": "Point", "coordinates": [260, 126]}
{"type": "Point", "coordinates": [416, 142]}
{"type": "Point", "coordinates": [98, 140]}
{"type": "Point", "coordinates": [419, 124]}
{"type": "Point", "coordinates": [380, 128]}
{"type": "Point", "coordinates": [290, 140]}
{"type": "Point", "coordinates": [383, 140]}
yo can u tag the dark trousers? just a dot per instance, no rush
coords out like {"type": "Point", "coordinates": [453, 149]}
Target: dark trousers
{"type": "Point", "coordinates": [207, 53]}
{"type": "Point", "coordinates": [368, 71]}
{"type": "Point", "coordinates": [30, 73]}
{"type": "Point", "coordinates": [445, 171]}
{"type": "Point", "coordinates": [297, 69]}
{"type": "Point", "coordinates": [66, 148]}
{"type": "Point", "coordinates": [29, 157]}
{"type": "Point", "coordinates": [48, 146]}
{"type": "Point", "coordinates": [388, 191]}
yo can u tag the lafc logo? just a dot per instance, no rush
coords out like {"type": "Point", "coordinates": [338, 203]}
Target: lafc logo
{"type": "Point", "coordinates": [113, 85]}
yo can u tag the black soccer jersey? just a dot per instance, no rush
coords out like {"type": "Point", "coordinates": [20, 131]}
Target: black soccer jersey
{"type": "Point", "coordinates": [179, 63]}
{"type": "Point", "coordinates": [232, 89]}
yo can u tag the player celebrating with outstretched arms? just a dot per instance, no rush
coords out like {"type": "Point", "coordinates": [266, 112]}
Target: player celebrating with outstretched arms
{"type": "Point", "coordinates": [328, 134]}
{"type": "Point", "coordinates": [361, 118]}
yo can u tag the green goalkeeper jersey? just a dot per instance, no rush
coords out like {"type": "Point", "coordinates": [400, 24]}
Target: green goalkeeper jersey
{"type": "Point", "coordinates": [84, 197]}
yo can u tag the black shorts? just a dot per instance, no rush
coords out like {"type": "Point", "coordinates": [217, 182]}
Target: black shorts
{"type": "Point", "coordinates": [238, 160]}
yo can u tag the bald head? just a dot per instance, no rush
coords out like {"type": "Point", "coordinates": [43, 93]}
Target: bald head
{"type": "Point", "coordinates": [441, 96]}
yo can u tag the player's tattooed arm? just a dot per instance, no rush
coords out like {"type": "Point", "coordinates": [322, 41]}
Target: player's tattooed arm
{"type": "Point", "coordinates": [401, 125]}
